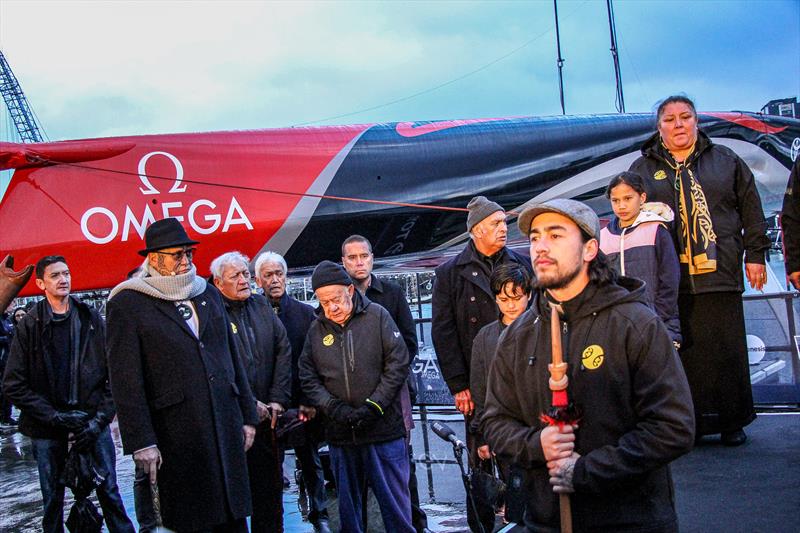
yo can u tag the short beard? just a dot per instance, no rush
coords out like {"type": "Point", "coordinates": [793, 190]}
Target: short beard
{"type": "Point", "coordinates": [558, 281]}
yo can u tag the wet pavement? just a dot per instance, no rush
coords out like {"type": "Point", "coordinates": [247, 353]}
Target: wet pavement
{"type": "Point", "coordinates": [752, 488]}
{"type": "Point", "coordinates": [441, 492]}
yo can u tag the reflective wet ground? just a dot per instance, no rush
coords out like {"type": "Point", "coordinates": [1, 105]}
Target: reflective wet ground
{"type": "Point", "coordinates": [752, 488]}
{"type": "Point", "coordinates": [440, 487]}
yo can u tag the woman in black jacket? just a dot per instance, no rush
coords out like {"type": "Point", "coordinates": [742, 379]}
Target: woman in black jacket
{"type": "Point", "coordinates": [719, 220]}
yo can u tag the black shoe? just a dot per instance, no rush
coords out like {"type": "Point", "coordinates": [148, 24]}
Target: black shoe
{"type": "Point", "coordinates": [321, 526]}
{"type": "Point", "coordinates": [734, 438]}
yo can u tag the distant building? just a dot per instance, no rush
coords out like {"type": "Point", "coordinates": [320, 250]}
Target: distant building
{"type": "Point", "coordinates": [783, 107]}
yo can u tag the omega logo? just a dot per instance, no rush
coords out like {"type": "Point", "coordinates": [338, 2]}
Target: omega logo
{"type": "Point", "coordinates": [795, 148]}
{"type": "Point", "coordinates": [203, 215]}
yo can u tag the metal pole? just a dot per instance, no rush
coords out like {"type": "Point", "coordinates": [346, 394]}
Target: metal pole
{"type": "Point", "coordinates": [560, 61]}
{"type": "Point", "coordinates": [423, 420]}
{"type": "Point", "coordinates": [620, 99]}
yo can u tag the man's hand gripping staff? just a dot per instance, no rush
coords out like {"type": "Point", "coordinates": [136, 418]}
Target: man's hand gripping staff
{"type": "Point", "coordinates": [558, 438]}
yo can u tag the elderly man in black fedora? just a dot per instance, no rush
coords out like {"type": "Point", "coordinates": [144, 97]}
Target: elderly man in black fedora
{"type": "Point", "coordinates": [186, 411]}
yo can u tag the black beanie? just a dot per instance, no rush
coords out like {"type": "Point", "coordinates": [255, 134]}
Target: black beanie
{"type": "Point", "coordinates": [329, 273]}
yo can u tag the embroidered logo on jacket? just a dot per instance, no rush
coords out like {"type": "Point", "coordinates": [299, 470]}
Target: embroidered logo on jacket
{"type": "Point", "coordinates": [593, 357]}
{"type": "Point", "coordinates": [327, 340]}
{"type": "Point", "coordinates": [660, 175]}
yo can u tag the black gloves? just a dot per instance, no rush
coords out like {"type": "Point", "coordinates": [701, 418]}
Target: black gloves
{"type": "Point", "coordinates": [340, 412]}
{"type": "Point", "coordinates": [69, 420]}
{"type": "Point", "coordinates": [366, 415]}
{"type": "Point", "coordinates": [88, 435]}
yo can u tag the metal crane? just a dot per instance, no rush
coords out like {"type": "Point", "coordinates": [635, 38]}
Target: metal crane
{"type": "Point", "coordinates": [18, 107]}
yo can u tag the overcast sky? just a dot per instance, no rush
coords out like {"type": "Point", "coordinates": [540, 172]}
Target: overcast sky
{"type": "Point", "coordinates": [96, 69]}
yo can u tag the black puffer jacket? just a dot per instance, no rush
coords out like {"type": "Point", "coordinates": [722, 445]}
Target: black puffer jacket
{"type": "Point", "coordinates": [636, 407]}
{"type": "Point", "coordinates": [365, 358]}
{"type": "Point", "coordinates": [29, 382]}
{"type": "Point", "coordinates": [733, 201]}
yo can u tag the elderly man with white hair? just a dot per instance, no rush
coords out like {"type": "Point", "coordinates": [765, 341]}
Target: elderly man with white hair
{"type": "Point", "coordinates": [266, 357]}
{"type": "Point", "coordinates": [270, 270]}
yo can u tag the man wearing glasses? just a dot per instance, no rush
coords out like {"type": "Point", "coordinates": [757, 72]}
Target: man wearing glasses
{"type": "Point", "coordinates": [353, 366]}
{"type": "Point", "coordinates": [185, 408]}
{"type": "Point", "coordinates": [267, 358]}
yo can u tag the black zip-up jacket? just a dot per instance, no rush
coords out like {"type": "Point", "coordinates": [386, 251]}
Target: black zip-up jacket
{"type": "Point", "coordinates": [263, 347]}
{"type": "Point", "coordinates": [733, 202]}
{"type": "Point", "coordinates": [637, 415]}
{"type": "Point", "coordinates": [790, 220]}
{"type": "Point", "coordinates": [364, 358]}
{"type": "Point", "coordinates": [29, 381]}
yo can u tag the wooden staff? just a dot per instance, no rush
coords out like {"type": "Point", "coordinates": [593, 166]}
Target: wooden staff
{"type": "Point", "coordinates": [559, 416]}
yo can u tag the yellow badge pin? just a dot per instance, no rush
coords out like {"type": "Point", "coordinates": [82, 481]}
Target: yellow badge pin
{"type": "Point", "coordinates": [327, 340]}
{"type": "Point", "coordinates": [660, 175]}
{"type": "Point", "coordinates": [593, 357]}
{"type": "Point", "coordinates": [234, 329]}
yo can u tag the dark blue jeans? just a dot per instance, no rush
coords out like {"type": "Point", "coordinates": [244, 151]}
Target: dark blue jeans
{"type": "Point", "coordinates": [51, 456]}
{"type": "Point", "coordinates": [384, 467]}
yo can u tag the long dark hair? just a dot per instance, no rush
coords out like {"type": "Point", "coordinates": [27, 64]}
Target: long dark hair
{"type": "Point", "coordinates": [600, 269]}
{"type": "Point", "coordinates": [631, 179]}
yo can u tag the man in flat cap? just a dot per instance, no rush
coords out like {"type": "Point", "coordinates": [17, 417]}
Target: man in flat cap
{"type": "Point", "coordinates": [185, 408]}
{"type": "Point", "coordinates": [463, 303]}
{"type": "Point", "coordinates": [352, 368]}
{"type": "Point", "coordinates": [624, 378]}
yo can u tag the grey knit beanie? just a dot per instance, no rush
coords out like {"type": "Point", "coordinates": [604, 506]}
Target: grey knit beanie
{"type": "Point", "coordinates": [481, 207]}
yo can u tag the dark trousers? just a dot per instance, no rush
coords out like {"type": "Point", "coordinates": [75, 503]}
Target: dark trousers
{"type": "Point", "coordinates": [485, 513]}
{"type": "Point", "coordinates": [266, 482]}
{"type": "Point", "coordinates": [51, 456]}
{"type": "Point", "coordinates": [5, 403]}
{"type": "Point", "coordinates": [384, 467]}
{"type": "Point", "coordinates": [314, 478]}
{"type": "Point", "coordinates": [233, 526]}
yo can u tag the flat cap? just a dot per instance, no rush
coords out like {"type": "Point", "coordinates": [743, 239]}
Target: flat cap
{"type": "Point", "coordinates": [580, 213]}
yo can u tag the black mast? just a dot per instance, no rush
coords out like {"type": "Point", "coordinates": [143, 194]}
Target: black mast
{"type": "Point", "coordinates": [560, 61]}
{"type": "Point", "coordinates": [619, 101]}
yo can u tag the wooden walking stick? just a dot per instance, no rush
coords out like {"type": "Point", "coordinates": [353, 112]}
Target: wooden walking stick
{"type": "Point", "coordinates": [561, 412]}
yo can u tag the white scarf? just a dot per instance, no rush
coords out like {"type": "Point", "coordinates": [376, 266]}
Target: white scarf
{"type": "Point", "coordinates": [170, 288]}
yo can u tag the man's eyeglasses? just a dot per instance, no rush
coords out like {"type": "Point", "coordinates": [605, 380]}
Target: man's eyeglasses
{"type": "Point", "coordinates": [180, 254]}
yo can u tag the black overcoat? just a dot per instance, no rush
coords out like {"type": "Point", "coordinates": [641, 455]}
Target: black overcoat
{"type": "Point", "coordinates": [462, 304]}
{"type": "Point", "coordinates": [188, 396]}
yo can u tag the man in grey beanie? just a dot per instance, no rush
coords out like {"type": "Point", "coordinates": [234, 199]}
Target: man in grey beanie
{"type": "Point", "coordinates": [463, 303]}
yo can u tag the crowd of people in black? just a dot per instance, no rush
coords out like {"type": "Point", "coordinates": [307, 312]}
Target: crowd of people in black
{"type": "Point", "coordinates": [584, 369]}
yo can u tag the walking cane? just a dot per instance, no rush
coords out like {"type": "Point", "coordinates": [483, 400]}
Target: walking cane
{"type": "Point", "coordinates": [561, 413]}
{"type": "Point", "coordinates": [156, 503]}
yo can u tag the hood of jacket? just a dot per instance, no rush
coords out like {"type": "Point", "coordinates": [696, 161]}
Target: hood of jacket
{"type": "Point", "coordinates": [650, 212]}
{"type": "Point", "coordinates": [595, 298]}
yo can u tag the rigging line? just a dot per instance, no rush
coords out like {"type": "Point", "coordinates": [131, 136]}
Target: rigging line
{"type": "Point", "coordinates": [39, 159]}
{"type": "Point", "coordinates": [441, 85]}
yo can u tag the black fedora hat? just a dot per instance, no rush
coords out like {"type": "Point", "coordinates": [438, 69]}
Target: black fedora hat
{"type": "Point", "coordinates": [166, 233]}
